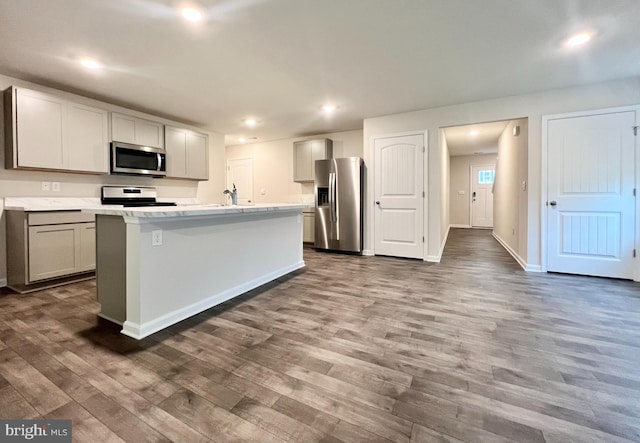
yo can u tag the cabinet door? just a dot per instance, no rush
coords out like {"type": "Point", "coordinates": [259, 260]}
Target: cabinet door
{"type": "Point", "coordinates": [39, 130]}
{"type": "Point", "coordinates": [53, 251]}
{"type": "Point", "coordinates": [176, 146]}
{"type": "Point", "coordinates": [318, 152]}
{"type": "Point", "coordinates": [309, 227]}
{"type": "Point", "coordinates": [87, 259]}
{"type": "Point", "coordinates": [302, 162]}
{"type": "Point", "coordinates": [197, 161]}
{"type": "Point", "coordinates": [85, 139]}
{"type": "Point", "coordinates": [123, 128]}
{"type": "Point", "coordinates": [149, 133]}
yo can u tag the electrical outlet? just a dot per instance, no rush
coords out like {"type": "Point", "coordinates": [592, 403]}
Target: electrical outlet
{"type": "Point", "coordinates": [156, 237]}
{"type": "Point", "coordinates": [263, 191]}
{"type": "Point", "coordinates": [46, 186]}
{"type": "Point", "coordinates": [55, 186]}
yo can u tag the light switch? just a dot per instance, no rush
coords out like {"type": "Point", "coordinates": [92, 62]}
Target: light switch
{"type": "Point", "coordinates": [460, 192]}
{"type": "Point", "coordinates": [263, 191]}
{"type": "Point", "coordinates": [55, 186]}
{"type": "Point", "coordinates": [524, 185]}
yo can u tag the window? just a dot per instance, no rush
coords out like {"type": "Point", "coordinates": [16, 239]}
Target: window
{"type": "Point", "coordinates": [486, 177]}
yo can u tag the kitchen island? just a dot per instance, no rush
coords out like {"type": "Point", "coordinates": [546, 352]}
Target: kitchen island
{"type": "Point", "coordinates": [157, 266]}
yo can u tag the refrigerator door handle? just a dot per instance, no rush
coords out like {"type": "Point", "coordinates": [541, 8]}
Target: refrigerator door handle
{"type": "Point", "coordinates": [336, 193]}
{"type": "Point", "coordinates": [332, 196]}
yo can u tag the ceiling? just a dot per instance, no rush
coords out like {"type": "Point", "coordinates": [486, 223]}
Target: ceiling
{"type": "Point", "coordinates": [474, 139]}
{"type": "Point", "coordinates": [279, 61]}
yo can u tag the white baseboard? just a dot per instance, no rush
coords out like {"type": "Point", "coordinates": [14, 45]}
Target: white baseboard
{"type": "Point", "coordinates": [368, 252]}
{"type": "Point", "coordinates": [3, 282]}
{"type": "Point", "coordinates": [437, 258]}
{"type": "Point", "coordinates": [139, 331]}
{"type": "Point", "coordinates": [460, 226]}
{"type": "Point", "coordinates": [513, 253]}
{"type": "Point", "coordinates": [533, 268]}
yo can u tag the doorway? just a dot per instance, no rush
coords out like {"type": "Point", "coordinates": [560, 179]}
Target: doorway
{"type": "Point", "coordinates": [482, 178]}
{"type": "Point", "coordinates": [240, 173]}
{"type": "Point", "coordinates": [490, 159]}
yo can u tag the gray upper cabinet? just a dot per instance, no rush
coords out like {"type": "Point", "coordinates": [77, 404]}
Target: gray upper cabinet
{"type": "Point", "coordinates": [305, 154]}
{"type": "Point", "coordinates": [54, 133]}
{"type": "Point", "coordinates": [138, 131]}
{"type": "Point", "coordinates": [187, 153]}
{"type": "Point", "coordinates": [86, 139]}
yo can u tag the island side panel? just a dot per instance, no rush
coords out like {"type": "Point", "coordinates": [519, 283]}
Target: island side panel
{"type": "Point", "coordinates": [111, 267]}
{"type": "Point", "coordinates": [204, 261]}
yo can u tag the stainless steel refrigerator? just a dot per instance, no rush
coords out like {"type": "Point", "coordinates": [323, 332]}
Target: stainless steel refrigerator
{"type": "Point", "coordinates": [339, 198]}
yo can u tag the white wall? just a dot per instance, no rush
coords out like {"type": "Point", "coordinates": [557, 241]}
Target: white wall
{"type": "Point", "coordinates": [273, 165]}
{"type": "Point", "coordinates": [531, 106]}
{"type": "Point", "coordinates": [444, 190]}
{"type": "Point", "coordinates": [509, 197]}
{"type": "Point", "coordinates": [460, 204]}
{"type": "Point", "coordinates": [23, 183]}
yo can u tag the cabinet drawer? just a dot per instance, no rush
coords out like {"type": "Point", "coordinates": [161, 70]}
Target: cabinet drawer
{"type": "Point", "coordinates": [58, 217]}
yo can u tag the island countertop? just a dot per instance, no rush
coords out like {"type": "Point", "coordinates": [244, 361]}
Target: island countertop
{"type": "Point", "coordinates": [197, 210]}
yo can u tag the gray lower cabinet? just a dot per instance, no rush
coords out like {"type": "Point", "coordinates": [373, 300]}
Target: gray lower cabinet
{"type": "Point", "coordinates": [44, 246]}
{"type": "Point", "coordinates": [308, 225]}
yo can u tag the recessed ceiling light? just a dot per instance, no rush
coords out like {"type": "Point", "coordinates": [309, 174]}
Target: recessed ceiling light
{"type": "Point", "coordinates": [578, 40]}
{"type": "Point", "coordinates": [250, 122]}
{"type": "Point", "coordinates": [90, 63]}
{"type": "Point", "coordinates": [192, 14]}
{"type": "Point", "coordinates": [328, 109]}
{"type": "Point", "coordinates": [242, 139]}
{"type": "Point", "coordinates": [473, 133]}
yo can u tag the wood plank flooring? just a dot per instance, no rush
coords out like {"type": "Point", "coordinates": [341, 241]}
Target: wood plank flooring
{"type": "Point", "coordinates": [351, 349]}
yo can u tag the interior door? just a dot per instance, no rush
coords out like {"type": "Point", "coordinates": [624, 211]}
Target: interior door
{"type": "Point", "coordinates": [591, 206]}
{"type": "Point", "coordinates": [482, 178]}
{"type": "Point", "coordinates": [398, 194]}
{"type": "Point", "coordinates": [240, 172]}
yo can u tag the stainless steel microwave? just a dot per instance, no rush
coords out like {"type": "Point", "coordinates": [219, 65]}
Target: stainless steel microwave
{"type": "Point", "coordinates": [138, 160]}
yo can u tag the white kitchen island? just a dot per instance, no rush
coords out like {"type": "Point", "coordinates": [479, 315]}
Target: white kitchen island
{"type": "Point", "coordinates": [207, 255]}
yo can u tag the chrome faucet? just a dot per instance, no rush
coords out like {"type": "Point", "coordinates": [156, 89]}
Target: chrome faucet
{"type": "Point", "coordinates": [234, 195]}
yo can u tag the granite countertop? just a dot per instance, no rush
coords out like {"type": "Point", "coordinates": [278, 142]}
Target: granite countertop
{"type": "Point", "coordinates": [39, 204]}
{"type": "Point", "coordinates": [50, 204]}
{"type": "Point", "coordinates": [191, 210]}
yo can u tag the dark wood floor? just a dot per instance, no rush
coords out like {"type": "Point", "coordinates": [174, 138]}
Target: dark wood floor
{"type": "Point", "coordinates": [349, 349]}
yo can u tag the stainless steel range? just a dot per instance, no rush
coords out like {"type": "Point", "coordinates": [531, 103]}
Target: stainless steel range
{"type": "Point", "coordinates": [131, 196]}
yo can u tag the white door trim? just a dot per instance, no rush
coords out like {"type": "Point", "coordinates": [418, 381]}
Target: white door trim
{"type": "Point", "coordinates": [544, 178]}
{"type": "Point", "coordinates": [471, 179]}
{"type": "Point", "coordinates": [369, 193]}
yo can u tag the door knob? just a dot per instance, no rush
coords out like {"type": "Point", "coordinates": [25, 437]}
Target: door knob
{"type": "Point", "coordinates": [553, 203]}
{"type": "Point", "coordinates": [377, 203]}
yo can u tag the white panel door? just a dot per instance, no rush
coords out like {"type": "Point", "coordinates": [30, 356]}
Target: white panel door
{"type": "Point", "coordinates": [399, 202]}
{"type": "Point", "coordinates": [590, 212]}
{"type": "Point", "coordinates": [240, 172]}
{"type": "Point", "coordinates": [482, 178]}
